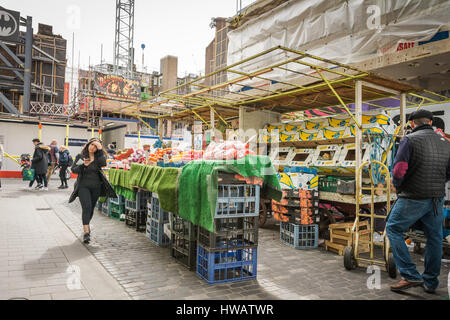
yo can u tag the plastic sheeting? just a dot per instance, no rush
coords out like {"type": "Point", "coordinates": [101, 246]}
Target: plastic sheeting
{"type": "Point", "coordinates": [346, 31]}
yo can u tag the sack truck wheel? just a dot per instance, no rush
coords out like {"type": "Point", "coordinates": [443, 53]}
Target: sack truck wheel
{"type": "Point", "coordinates": [391, 267]}
{"type": "Point", "coordinates": [349, 260]}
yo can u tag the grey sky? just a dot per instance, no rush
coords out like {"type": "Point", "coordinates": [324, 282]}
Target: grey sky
{"type": "Point", "coordinates": [175, 27]}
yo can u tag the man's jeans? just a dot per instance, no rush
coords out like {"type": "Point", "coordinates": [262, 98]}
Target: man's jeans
{"type": "Point", "coordinates": [403, 215]}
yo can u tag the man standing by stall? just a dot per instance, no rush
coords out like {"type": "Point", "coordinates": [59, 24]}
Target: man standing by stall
{"type": "Point", "coordinates": [421, 170]}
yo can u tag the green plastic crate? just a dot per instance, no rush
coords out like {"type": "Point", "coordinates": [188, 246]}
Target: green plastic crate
{"type": "Point", "coordinates": [329, 184]}
{"type": "Point", "coordinates": [120, 209]}
{"type": "Point", "coordinates": [115, 216]}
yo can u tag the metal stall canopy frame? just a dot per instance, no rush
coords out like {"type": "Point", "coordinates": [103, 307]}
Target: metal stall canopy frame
{"type": "Point", "coordinates": [306, 82]}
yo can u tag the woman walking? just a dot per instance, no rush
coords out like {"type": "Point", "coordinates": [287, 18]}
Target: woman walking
{"type": "Point", "coordinates": [63, 164]}
{"type": "Point", "coordinates": [91, 182]}
{"type": "Point", "coordinates": [40, 164]}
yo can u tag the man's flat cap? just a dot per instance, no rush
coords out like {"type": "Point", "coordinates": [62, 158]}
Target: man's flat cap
{"type": "Point", "coordinates": [419, 114]}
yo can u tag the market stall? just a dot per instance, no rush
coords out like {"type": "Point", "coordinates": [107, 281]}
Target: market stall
{"type": "Point", "coordinates": [327, 130]}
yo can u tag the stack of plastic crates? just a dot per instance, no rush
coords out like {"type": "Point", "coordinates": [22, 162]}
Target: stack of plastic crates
{"type": "Point", "coordinates": [301, 229]}
{"type": "Point", "coordinates": [136, 211]}
{"type": "Point", "coordinates": [183, 246]}
{"type": "Point", "coordinates": [156, 219]}
{"type": "Point", "coordinates": [301, 206]}
{"type": "Point", "coordinates": [229, 253]}
{"type": "Point", "coordinates": [117, 207]}
{"type": "Point", "coordinates": [105, 208]}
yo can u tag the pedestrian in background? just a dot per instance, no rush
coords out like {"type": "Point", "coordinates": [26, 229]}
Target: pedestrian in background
{"type": "Point", "coordinates": [40, 164]}
{"type": "Point", "coordinates": [63, 163]}
{"type": "Point", "coordinates": [91, 182]}
{"type": "Point", "coordinates": [421, 170]}
{"type": "Point", "coordinates": [111, 150]}
{"type": "Point", "coordinates": [53, 158]}
{"type": "Point", "coordinates": [147, 150]}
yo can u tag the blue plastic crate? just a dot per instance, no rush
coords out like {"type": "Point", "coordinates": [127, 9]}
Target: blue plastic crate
{"type": "Point", "coordinates": [237, 200]}
{"type": "Point", "coordinates": [155, 231]}
{"type": "Point", "coordinates": [299, 236]}
{"type": "Point", "coordinates": [156, 212]}
{"type": "Point", "coordinates": [219, 266]}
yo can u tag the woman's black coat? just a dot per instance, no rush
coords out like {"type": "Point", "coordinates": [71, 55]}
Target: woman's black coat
{"type": "Point", "coordinates": [40, 159]}
{"type": "Point", "coordinates": [100, 161]}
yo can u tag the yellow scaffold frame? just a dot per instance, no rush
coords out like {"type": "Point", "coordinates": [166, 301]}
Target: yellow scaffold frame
{"type": "Point", "coordinates": [323, 78]}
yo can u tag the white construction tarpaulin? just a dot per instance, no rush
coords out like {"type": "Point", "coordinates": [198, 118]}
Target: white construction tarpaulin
{"type": "Point", "coordinates": [346, 31]}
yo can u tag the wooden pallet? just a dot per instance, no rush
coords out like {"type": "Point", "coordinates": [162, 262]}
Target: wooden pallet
{"type": "Point", "coordinates": [347, 227]}
{"type": "Point", "coordinates": [339, 249]}
{"type": "Point", "coordinates": [341, 236]}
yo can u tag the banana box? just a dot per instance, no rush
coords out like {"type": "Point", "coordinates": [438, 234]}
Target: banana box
{"type": "Point", "coordinates": [282, 156]}
{"type": "Point", "coordinates": [340, 121]}
{"type": "Point", "coordinates": [289, 136]}
{"type": "Point", "coordinates": [273, 127]}
{"type": "Point", "coordinates": [294, 127]}
{"type": "Point", "coordinates": [326, 156]}
{"type": "Point", "coordinates": [374, 129]}
{"type": "Point", "coordinates": [302, 158]}
{"type": "Point", "coordinates": [297, 180]}
{"type": "Point", "coordinates": [264, 137]}
{"type": "Point", "coordinates": [308, 135]}
{"type": "Point", "coordinates": [332, 133]}
{"type": "Point", "coordinates": [376, 117]}
{"type": "Point", "coordinates": [316, 124]}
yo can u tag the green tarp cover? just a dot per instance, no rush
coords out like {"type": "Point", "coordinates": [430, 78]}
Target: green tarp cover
{"type": "Point", "coordinates": [120, 180]}
{"type": "Point", "coordinates": [198, 185]}
{"type": "Point", "coordinates": [162, 181]}
{"type": "Point", "coordinates": [126, 193]}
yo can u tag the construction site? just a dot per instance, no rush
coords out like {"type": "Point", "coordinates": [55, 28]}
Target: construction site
{"type": "Point", "coordinates": [309, 159]}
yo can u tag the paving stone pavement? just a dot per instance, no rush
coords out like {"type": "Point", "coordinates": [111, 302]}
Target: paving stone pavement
{"type": "Point", "coordinates": [146, 271]}
{"type": "Point", "coordinates": [37, 249]}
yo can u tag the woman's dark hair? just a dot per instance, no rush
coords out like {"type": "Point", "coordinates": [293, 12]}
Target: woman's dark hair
{"type": "Point", "coordinates": [85, 151]}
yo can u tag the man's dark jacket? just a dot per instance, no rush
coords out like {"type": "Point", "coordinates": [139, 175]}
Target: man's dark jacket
{"type": "Point", "coordinates": [422, 164]}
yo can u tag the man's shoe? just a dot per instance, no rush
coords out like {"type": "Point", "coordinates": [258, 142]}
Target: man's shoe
{"type": "Point", "coordinates": [38, 187]}
{"type": "Point", "coordinates": [61, 187]}
{"type": "Point", "coordinates": [405, 284]}
{"type": "Point", "coordinates": [87, 238]}
{"type": "Point", "coordinates": [45, 189]}
{"type": "Point", "coordinates": [428, 290]}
